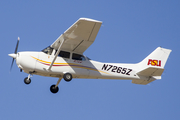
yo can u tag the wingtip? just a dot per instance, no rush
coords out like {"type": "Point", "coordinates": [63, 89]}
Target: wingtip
{"type": "Point", "coordinates": [18, 38]}
{"type": "Point", "coordinates": [89, 19]}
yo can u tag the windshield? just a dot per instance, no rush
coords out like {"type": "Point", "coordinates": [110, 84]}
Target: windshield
{"type": "Point", "coordinates": [88, 58]}
{"type": "Point", "coordinates": [48, 50]}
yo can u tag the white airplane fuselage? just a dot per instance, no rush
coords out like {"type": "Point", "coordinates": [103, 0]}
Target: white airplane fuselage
{"type": "Point", "coordinates": [64, 59]}
{"type": "Point", "coordinates": [38, 63]}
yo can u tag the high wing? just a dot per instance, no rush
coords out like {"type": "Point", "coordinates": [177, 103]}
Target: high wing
{"type": "Point", "coordinates": [79, 36]}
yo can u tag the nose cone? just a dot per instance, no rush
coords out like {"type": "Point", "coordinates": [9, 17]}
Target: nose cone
{"type": "Point", "coordinates": [13, 55]}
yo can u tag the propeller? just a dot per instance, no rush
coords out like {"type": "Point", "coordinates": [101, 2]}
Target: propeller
{"type": "Point", "coordinates": [14, 54]}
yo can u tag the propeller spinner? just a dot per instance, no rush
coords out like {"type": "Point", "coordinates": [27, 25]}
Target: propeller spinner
{"type": "Point", "coordinates": [13, 55]}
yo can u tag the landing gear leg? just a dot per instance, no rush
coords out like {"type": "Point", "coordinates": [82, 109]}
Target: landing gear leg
{"type": "Point", "coordinates": [55, 88]}
{"type": "Point", "coordinates": [27, 80]}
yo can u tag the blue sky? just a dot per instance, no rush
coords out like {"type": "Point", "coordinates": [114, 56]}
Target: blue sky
{"type": "Point", "coordinates": [130, 31]}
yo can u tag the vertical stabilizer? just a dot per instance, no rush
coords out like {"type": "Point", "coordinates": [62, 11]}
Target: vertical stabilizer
{"type": "Point", "coordinates": [152, 66]}
{"type": "Point", "coordinates": [157, 59]}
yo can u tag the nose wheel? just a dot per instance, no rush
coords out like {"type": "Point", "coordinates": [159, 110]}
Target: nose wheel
{"type": "Point", "coordinates": [27, 80]}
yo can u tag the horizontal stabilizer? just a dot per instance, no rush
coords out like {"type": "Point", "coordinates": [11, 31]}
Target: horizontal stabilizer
{"type": "Point", "coordinates": [142, 82]}
{"type": "Point", "coordinates": [151, 71]}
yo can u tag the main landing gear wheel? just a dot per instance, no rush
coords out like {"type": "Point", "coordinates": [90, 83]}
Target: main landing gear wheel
{"type": "Point", "coordinates": [54, 89]}
{"type": "Point", "coordinates": [27, 81]}
{"type": "Point", "coordinates": [67, 77]}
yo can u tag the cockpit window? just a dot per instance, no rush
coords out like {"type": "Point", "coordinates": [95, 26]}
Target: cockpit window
{"type": "Point", "coordinates": [48, 50]}
{"type": "Point", "coordinates": [64, 54]}
{"type": "Point", "coordinates": [78, 57]}
{"type": "Point", "coordinates": [88, 58]}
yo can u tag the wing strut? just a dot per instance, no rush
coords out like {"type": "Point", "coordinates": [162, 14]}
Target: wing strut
{"type": "Point", "coordinates": [57, 53]}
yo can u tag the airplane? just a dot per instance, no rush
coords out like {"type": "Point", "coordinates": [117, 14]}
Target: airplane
{"type": "Point", "coordinates": [64, 59]}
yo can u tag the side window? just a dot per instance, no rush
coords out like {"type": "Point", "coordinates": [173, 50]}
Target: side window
{"type": "Point", "coordinates": [64, 54]}
{"type": "Point", "coordinates": [78, 57]}
{"type": "Point", "coordinates": [48, 50]}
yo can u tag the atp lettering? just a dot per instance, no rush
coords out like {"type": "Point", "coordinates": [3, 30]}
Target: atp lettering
{"type": "Point", "coordinates": [154, 62]}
